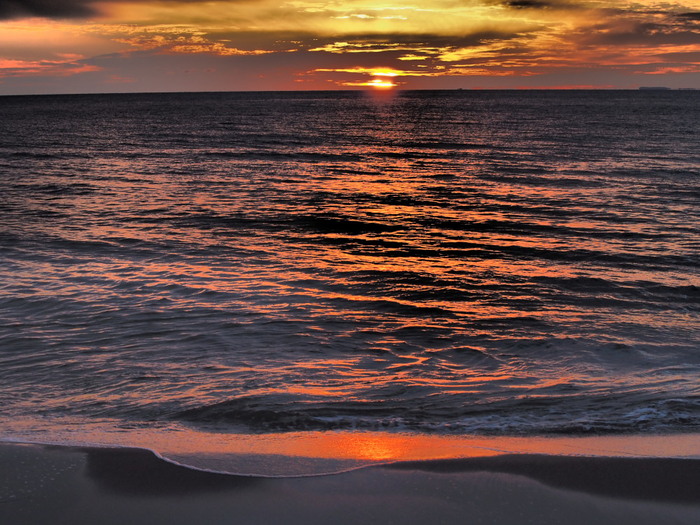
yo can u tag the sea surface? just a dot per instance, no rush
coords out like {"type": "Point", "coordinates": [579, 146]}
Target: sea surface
{"type": "Point", "coordinates": [506, 263]}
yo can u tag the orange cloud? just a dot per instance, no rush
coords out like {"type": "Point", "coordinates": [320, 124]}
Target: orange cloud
{"type": "Point", "coordinates": [664, 70]}
{"type": "Point", "coordinates": [56, 68]}
{"type": "Point", "coordinates": [427, 42]}
{"type": "Point", "coordinates": [375, 71]}
{"type": "Point", "coordinates": [377, 82]}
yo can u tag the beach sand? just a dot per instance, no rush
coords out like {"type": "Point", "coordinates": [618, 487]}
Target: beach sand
{"type": "Point", "coordinates": [64, 485]}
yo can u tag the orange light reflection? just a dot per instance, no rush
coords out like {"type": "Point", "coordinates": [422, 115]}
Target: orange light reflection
{"type": "Point", "coordinates": [379, 447]}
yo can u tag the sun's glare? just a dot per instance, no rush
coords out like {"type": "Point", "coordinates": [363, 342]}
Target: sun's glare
{"type": "Point", "coordinates": [381, 83]}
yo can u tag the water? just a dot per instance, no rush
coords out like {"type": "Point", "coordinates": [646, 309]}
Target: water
{"type": "Point", "coordinates": [494, 263]}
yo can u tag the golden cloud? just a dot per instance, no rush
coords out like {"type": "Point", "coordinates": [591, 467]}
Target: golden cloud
{"type": "Point", "coordinates": [426, 38]}
{"type": "Point", "coordinates": [56, 68]}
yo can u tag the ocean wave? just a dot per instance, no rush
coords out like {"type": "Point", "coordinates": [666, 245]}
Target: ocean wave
{"type": "Point", "coordinates": [403, 408]}
{"type": "Point", "coordinates": [442, 262]}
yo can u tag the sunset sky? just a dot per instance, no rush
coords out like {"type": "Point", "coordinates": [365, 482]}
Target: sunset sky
{"type": "Point", "coordinates": [85, 46]}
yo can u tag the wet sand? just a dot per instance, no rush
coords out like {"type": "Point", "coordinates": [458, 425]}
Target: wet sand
{"type": "Point", "coordinates": [62, 485]}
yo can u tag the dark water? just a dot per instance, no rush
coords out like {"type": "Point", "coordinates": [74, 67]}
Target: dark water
{"type": "Point", "coordinates": [469, 262]}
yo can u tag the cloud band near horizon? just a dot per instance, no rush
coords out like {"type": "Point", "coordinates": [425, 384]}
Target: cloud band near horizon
{"type": "Point", "coordinates": [183, 45]}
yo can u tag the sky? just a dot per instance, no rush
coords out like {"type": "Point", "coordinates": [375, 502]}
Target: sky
{"type": "Point", "coordinates": [97, 46]}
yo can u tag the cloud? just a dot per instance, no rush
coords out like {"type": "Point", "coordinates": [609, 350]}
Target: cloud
{"type": "Point", "coordinates": [528, 4]}
{"type": "Point", "coordinates": [77, 9]}
{"type": "Point", "coordinates": [46, 9]}
{"type": "Point", "coordinates": [55, 68]}
{"type": "Point", "coordinates": [321, 43]}
{"type": "Point", "coordinates": [176, 39]}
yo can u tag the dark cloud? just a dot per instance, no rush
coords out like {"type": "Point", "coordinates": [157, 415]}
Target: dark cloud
{"type": "Point", "coordinates": [59, 9]}
{"type": "Point", "coordinates": [283, 40]}
{"type": "Point", "coordinates": [421, 39]}
{"type": "Point", "coordinates": [623, 33]}
{"type": "Point", "coordinates": [688, 57]}
{"type": "Point", "coordinates": [45, 8]}
{"type": "Point", "coordinates": [689, 16]}
{"type": "Point", "coordinates": [568, 5]}
{"type": "Point", "coordinates": [529, 4]}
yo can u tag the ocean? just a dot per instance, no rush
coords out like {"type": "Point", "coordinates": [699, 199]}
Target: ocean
{"type": "Point", "coordinates": [490, 263]}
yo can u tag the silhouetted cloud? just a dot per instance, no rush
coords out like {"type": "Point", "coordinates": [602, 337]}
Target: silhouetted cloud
{"type": "Point", "coordinates": [45, 8]}
{"type": "Point", "coordinates": [61, 9]}
{"type": "Point", "coordinates": [528, 4]}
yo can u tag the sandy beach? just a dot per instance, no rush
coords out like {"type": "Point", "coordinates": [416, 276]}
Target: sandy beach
{"type": "Point", "coordinates": [64, 485]}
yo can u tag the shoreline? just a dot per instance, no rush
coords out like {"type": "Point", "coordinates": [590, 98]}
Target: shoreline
{"type": "Point", "coordinates": [307, 453]}
{"type": "Point", "coordinates": [86, 485]}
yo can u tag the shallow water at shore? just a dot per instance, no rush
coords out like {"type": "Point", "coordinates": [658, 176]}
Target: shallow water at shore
{"type": "Point", "coordinates": [310, 453]}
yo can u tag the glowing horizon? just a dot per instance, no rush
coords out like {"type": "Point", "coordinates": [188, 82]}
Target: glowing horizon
{"type": "Point", "coordinates": [186, 45]}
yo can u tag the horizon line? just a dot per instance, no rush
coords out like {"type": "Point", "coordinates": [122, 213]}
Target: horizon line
{"type": "Point", "coordinates": [383, 92]}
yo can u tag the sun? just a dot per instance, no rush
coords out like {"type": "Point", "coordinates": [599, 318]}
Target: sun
{"type": "Point", "coordinates": [381, 82]}
{"type": "Point", "coordinates": [382, 79]}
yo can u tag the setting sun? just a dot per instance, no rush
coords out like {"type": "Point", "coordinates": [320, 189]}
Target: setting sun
{"type": "Point", "coordinates": [381, 82]}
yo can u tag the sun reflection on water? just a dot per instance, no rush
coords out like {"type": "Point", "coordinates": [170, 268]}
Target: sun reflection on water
{"type": "Point", "coordinates": [410, 251]}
